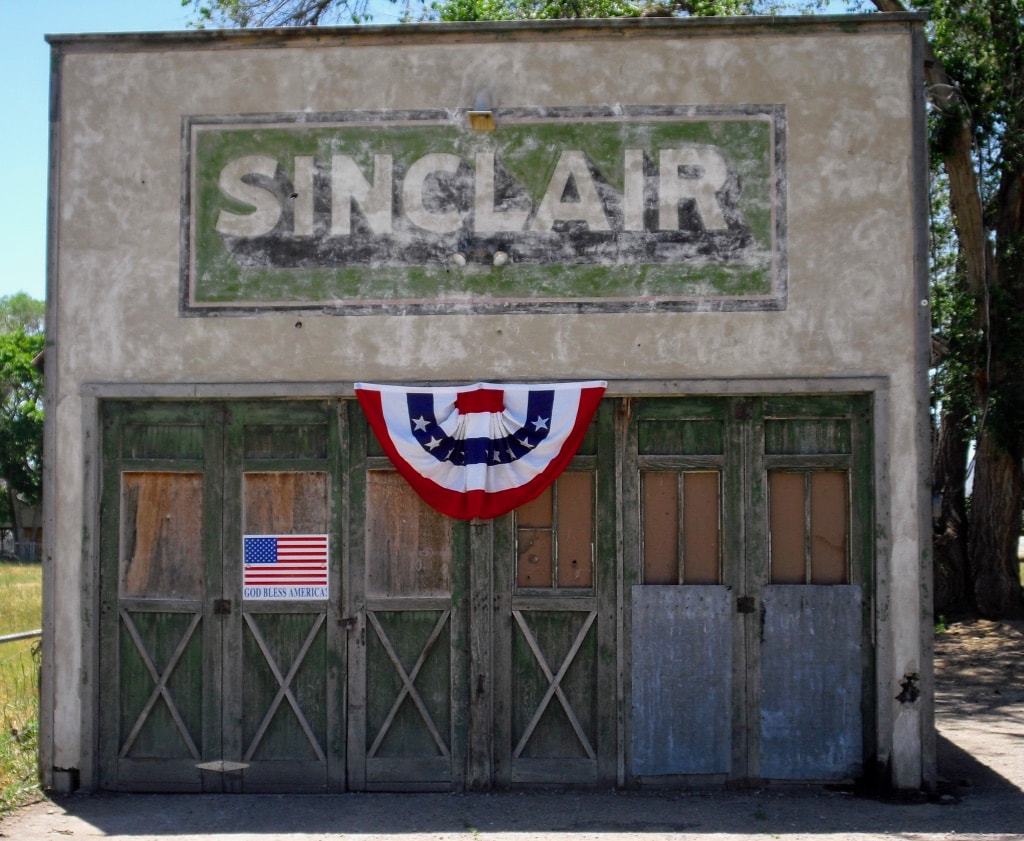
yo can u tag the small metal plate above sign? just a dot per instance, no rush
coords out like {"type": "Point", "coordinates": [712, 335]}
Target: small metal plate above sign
{"type": "Point", "coordinates": [572, 209]}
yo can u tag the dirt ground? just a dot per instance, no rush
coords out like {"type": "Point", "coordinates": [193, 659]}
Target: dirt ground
{"type": "Point", "coordinates": [980, 715]}
{"type": "Point", "coordinates": [979, 704]}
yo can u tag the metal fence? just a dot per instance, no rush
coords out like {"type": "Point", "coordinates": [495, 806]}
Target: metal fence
{"type": "Point", "coordinates": [24, 635]}
{"type": "Point", "coordinates": [26, 551]}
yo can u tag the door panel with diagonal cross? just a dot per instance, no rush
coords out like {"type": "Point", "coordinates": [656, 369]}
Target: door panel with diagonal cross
{"type": "Point", "coordinates": [159, 704]}
{"type": "Point", "coordinates": [407, 565]}
{"type": "Point", "coordinates": [554, 565]}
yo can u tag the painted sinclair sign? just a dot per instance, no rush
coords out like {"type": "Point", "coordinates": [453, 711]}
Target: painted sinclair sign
{"type": "Point", "coordinates": [415, 212]}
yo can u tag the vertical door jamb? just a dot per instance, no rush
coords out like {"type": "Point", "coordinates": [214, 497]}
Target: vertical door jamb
{"type": "Point", "coordinates": [745, 506]}
{"type": "Point", "coordinates": [607, 583]}
{"type": "Point", "coordinates": [231, 458]}
{"type": "Point", "coordinates": [627, 534]}
{"type": "Point", "coordinates": [354, 596]}
{"type": "Point", "coordinates": [214, 653]}
{"type": "Point", "coordinates": [479, 676]}
{"type": "Point", "coordinates": [337, 613]}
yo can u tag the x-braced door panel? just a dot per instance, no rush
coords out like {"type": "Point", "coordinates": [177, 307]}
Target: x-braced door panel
{"type": "Point", "coordinates": [553, 680]}
{"type": "Point", "coordinates": [408, 712]}
{"type": "Point", "coordinates": [284, 715]}
{"type": "Point", "coordinates": [157, 632]}
{"type": "Point", "coordinates": [160, 722]}
{"type": "Point", "coordinates": [554, 629]}
{"type": "Point", "coordinates": [406, 686]}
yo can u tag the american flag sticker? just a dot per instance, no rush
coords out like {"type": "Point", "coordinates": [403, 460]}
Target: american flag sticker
{"type": "Point", "coordinates": [284, 566]}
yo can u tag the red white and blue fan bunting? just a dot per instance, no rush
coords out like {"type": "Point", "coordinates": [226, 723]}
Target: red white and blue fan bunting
{"type": "Point", "coordinates": [480, 450]}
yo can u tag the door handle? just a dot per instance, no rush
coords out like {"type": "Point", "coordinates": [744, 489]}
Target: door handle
{"type": "Point", "coordinates": [222, 607]}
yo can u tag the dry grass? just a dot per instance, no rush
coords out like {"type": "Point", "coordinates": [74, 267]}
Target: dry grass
{"type": "Point", "coordinates": [20, 610]}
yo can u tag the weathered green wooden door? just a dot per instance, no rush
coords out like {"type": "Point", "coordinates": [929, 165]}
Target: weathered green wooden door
{"type": "Point", "coordinates": [405, 610]}
{"type": "Point", "coordinates": [745, 565]}
{"type": "Point", "coordinates": [206, 684]}
{"type": "Point", "coordinates": [160, 643]}
{"type": "Point", "coordinates": [283, 652]}
{"type": "Point", "coordinates": [554, 626]}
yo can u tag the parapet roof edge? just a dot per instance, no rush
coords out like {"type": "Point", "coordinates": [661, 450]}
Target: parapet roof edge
{"type": "Point", "coordinates": [271, 36]}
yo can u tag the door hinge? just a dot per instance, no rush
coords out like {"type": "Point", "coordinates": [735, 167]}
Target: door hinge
{"type": "Point", "coordinates": [746, 604]}
{"type": "Point", "coordinates": [222, 607]}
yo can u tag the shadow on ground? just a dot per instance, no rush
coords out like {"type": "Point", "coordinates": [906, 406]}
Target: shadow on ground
{"type": "Point", "coordinates": [976, 801]}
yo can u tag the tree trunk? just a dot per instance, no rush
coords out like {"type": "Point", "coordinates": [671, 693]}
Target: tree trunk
{"type": "Point", "coordinates": [15, 518]}
{"type": "Point", "coordinates": [995, 527]}
{"type": "Point", "coordinates": [952, 591]}
{"type": "Point", "coordinates": [999, 483]}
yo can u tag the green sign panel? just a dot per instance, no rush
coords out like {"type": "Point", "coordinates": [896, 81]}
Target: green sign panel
{"type": "Point", "coordinates": [567, 210]}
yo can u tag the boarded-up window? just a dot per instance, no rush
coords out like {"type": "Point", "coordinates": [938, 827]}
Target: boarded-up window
{"type": "Point", "coordinates": [408, 544]}
{"type": "Point", "coordinates": [555, 535]}
{"type": "Point", "coordinates": [809, 524]}
{"type": "Point", "coordinates": [162, 535]}
{"type": "Point", "coordinates": [286, 503]}
{"type": "Point", "coordinates": [681, 527]}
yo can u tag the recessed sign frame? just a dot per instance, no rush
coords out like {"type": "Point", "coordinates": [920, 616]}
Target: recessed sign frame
{"type": "Point", "coordinates": [556, 210]}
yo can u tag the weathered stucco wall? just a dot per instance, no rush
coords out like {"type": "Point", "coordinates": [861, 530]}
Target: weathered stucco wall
{"type": "Point", "coordinates": [852, 239]}
{"type": "Point", "coordinates": [849, 215]}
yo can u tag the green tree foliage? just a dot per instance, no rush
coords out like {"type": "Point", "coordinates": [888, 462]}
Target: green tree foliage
{"type": "Point", "coordinates": [262, 13]}
{"type": "Point", "coordinates": [21, 416]}
{"type": "Point", "coordinates": [21, 310]}
{"type": "Point", "coordinates": [468, 10]}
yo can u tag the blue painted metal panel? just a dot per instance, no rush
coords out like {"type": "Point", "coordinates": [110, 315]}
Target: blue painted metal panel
{"type": "Point", "coordinates": [682, 680]}
{"type": "Point", "coordinates": [811, 727]}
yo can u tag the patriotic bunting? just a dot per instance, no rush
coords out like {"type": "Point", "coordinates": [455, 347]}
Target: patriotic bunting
{"type": "Point", "coordinates": [480, 450]}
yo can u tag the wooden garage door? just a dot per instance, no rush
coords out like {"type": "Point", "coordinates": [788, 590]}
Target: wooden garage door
{"type": "Point", "coordinates": [814, 658]}
{"type": "Point", "coordinates": [206, 685]}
